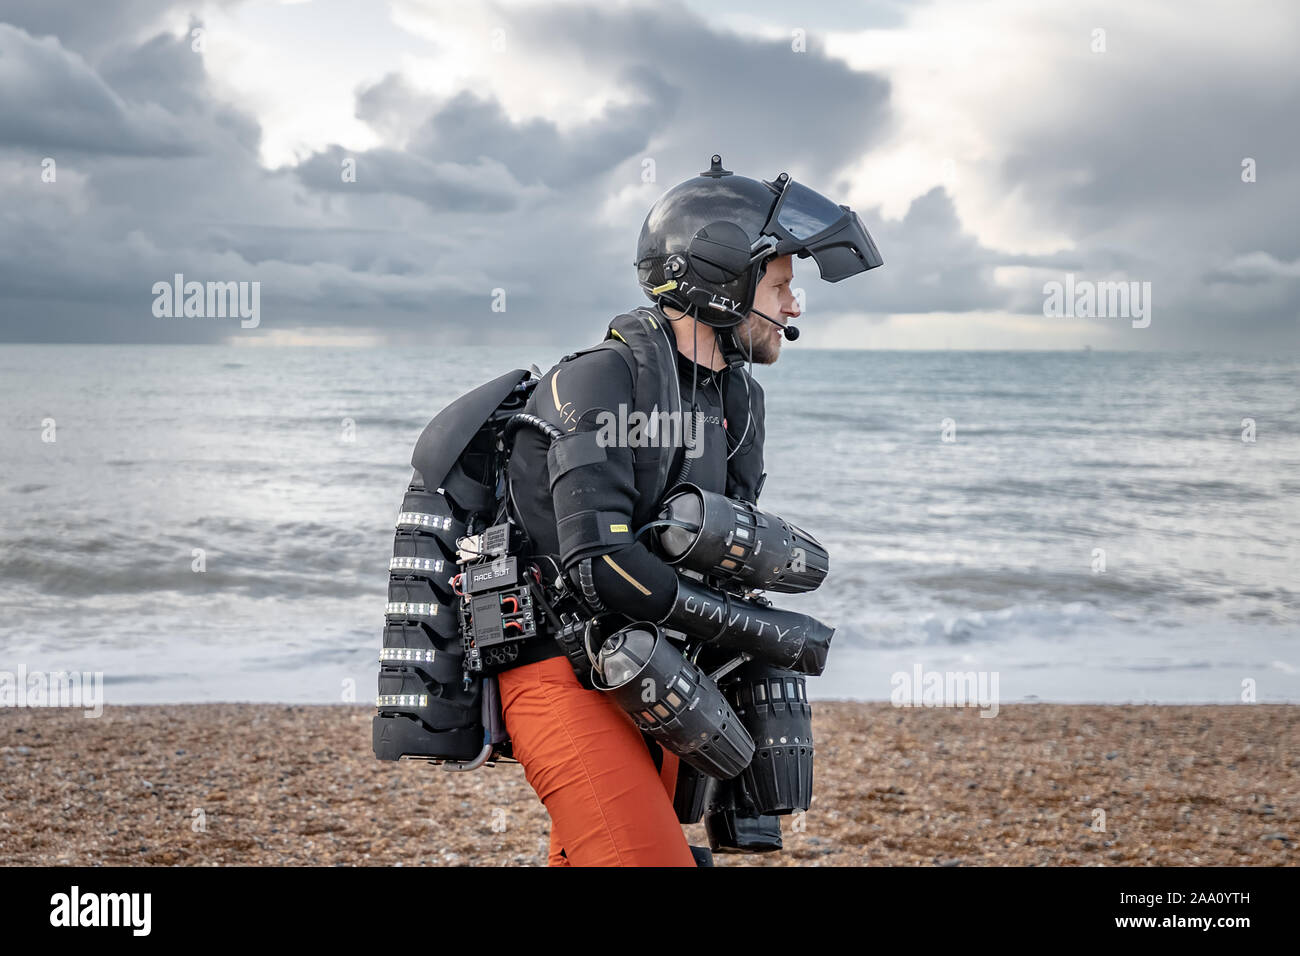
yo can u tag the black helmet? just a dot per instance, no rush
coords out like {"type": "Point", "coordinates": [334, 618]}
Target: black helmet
{"type": "Point", "coordinates": [705, 243]}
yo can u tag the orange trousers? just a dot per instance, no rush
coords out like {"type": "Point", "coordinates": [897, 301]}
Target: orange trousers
{"type": "Point", "coordinates": [592, 770]}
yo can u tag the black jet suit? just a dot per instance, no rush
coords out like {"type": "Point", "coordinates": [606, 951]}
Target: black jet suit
{"type": "Point", "coordinates": [608, 789]}
{"type": "Point", "coordinates": [729, 418]}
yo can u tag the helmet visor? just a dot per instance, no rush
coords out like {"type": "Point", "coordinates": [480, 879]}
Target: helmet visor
{"type": "Point", "coordinates": [806, 223]}
{"type": "Point", "coordinates": [804, 213]}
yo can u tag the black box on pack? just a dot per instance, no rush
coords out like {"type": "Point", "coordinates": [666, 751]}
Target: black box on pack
{"type": "Point", "coordinates": [501, 616]}
{"type": "Point", "coordinates": [492, 575]}
{"type": "Point", "coordinates": [493, 542]}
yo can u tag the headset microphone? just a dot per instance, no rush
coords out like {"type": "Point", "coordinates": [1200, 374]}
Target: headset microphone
{"type": "Point", "coordinates": [791, 332]}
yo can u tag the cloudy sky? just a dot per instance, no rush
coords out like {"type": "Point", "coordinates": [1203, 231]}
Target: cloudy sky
{"type": "Point", "coordinates": [990, 147]}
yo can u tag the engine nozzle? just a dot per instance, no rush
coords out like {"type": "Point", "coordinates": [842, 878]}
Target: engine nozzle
{"type": "Point", "coordinates": [733, 542]}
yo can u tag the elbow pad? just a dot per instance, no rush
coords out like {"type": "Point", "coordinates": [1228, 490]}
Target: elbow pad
{"type": "Point", "coordinates": [631, 581]}
{"type": "Point", "coordinates": [785, 638]}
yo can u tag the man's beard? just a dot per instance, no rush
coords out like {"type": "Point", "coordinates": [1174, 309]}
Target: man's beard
{"type": "Point", "coordinates": [754, 330]}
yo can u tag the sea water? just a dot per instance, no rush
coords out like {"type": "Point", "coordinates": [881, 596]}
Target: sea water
{"type": "Point", "coordinates": [214, 523]}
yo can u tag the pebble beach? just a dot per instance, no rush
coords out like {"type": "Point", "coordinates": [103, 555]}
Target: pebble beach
{"type": "Point", "coordinates": [1039, 784]}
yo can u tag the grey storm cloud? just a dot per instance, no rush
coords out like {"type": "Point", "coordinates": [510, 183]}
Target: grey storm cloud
{"type": "Point", "coordinates": [1156, 190]}
{"type": "Point", "coordinates": [464, 154]}
{"type": "Point", "coordinates": [50, 98]}
{"type": "Point", "coordinates": [469, 203]}
{"type": "Point", "coordinates": [157, 175]}
{"type": "Point", "coordinates": [392, 106]}
{"type": "Point", "coordinates": [747, 98]}
{"type": "Point", "coordinates": [89, 29]}
{"type": "Point", "coordinates": [470, 127]}
{"type": "Point", "coordinates": [484, 186]}
{"type": "Point", "coordinates": [930, 266]}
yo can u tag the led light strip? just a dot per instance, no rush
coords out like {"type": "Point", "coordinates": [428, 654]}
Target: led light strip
{"type": "Point", "coordinates": [402, 700]}
{"type": "Point", "coordinates": [420, 519]}
{"type": "Point", "coordinates": [416, 564]}
{"type": "Point", "coordinates": [411, 609]}
{"type": "Point", "coordinates": [406, 654]}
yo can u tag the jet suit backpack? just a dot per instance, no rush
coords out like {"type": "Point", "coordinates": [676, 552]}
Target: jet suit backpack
{"type": "Point", "coordinates": [459, 602]}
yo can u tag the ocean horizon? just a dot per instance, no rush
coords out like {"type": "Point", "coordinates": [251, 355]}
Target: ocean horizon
{"type": "Point", "coordinates": [204, 523]}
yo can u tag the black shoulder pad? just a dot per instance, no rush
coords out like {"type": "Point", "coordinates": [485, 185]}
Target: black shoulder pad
{"type": "Point", "coordinates": [446, 437]}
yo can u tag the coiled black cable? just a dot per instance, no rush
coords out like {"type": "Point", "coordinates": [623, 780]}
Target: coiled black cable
{"type": "Point", "coordinates": [520, 419]}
